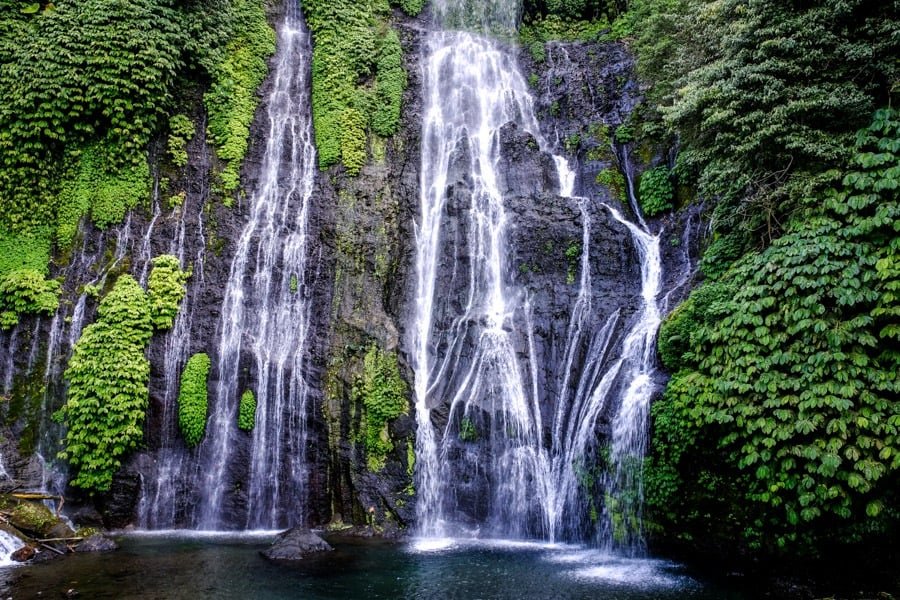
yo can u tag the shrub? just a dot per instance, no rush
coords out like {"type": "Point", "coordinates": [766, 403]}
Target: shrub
{"type": "Point", "coordinates": [107, 396]}
{"type": "Point", "coordinates": [247, 411]}
{"type": "Point", "coordinates": [655, 191]}
{"type": "Point", "coordinates": [193, 399]}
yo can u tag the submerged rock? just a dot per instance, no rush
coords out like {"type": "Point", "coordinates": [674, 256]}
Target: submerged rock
{"type": "Point", "coordinates": [97, 543]}
{"type": "Point", "coordinates": [295, 544]}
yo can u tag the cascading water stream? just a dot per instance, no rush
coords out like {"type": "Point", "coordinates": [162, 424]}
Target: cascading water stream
{"type": "Point", "coordinates": [472, 89]}
{"type": "Point", "coordinates": [475, 355]}
{"type": "Point", "coordinates": [265, 315]}
{"type": "Point", "coordinates": [158, 507]}
{"type": "Point", "coordinates": [8, 545]}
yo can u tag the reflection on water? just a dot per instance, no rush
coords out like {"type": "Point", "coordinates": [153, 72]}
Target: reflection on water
{"type": "Point", "coordinates": [227, 566]}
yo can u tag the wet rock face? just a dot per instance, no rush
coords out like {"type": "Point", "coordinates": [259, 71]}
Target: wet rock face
{"type": "Point", "coordinates": [20, 471]}
{"type": "Point", "coordinates": [368, 253]}
{"type": "Point", "coordinates": [118, 506]}
{"type": "Point", "coordinates": [579, 86]}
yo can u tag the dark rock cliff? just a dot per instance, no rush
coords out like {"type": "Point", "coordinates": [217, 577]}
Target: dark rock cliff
{"type": "Point", "coordinates": [362, 290]}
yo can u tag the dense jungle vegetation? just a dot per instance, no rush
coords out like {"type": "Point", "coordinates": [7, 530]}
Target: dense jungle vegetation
{"type": "Point", "coordinates": [779, 428]}
{"type": "Point", "coordinates": [779, 431]}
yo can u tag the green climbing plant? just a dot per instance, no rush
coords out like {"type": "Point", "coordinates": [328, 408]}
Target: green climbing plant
{"type": "Point", "coordinates": [237, 71]}
{"type": "Point", "coordinates": [787, 367]}
{"type": "Point", "coordinates": [655, 191]}
{"type": "Point", "coordinates": [357, 78]}
{"type": "Point", "coordinates": [181, 130]}
{"type": "Point", "coordinates": [166, 289]}
{"type": "Point", "coordinates": [26, 292]}
{"type": "Point", "coordinates": [384, 394]}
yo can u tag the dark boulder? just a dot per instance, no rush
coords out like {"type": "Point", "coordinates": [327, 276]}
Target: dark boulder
{"type": "Point", "coordinates": [295, 544]}
{"type": "Point", "coordinates": [25, 553]}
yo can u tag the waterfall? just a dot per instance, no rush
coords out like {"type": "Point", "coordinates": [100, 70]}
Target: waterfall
{"type": "Point", "coordinates": [265, 316]}
{"type": "Point", "coordinates": [488, 461]}
{"type": "Point", "coordinates": [8, 544]}
{"type": "Point", "coordinates": [473, 88]}
{"type": "Point", "coordinates": [164, 482]}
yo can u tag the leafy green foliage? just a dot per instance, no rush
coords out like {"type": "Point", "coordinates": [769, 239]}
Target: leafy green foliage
{"type": "Point", "coordinates": [193, 399]}
{"type": "Point", "coordinates": [181, 130]}
{"type": "Point", "coordinates": [390, 82]}
{"type": "Point", "coordinates": [540, 30]}
{"type": "Point", "coordinates": [724, 250]}
{"type": "Point", "coordinates": [24, 250]}
{"type": "Point", "coordinates": [352, 43]}
{"type": "Point", "coordinates": [757, 111]}
{"type": "Point", "coordinates": [101, 76]}
{"type": "Point", "coordinates": [95, 69]}
{"type": "Point", "coordinates": [385, 396]}
{"type": "Point", "coordinates": [613, 179]}
{"type": "Point", "coordinates": [237, 71]}
{"type": "Point", "coordinates": [94, 185]}
{"type": "Point", "coordinates": [655, 191]}
{"type": "Point", "coordinates": [788, 368]}
{"type": "Point", "coordinates": [108, 374]}
{"type": "Point", "coordinates": [467, 430]}
{"type": "Point", "coordinates": [166, 289]}
{"type": "Point", "coordinates": [574, 10]}
{"type": "Point", "coordinates": [26, 291]}
{"type": "Point", "coordinates": [107, 397]}
{"type": "Point", "coordinates": [247, 411]}
{"type": "Point", "coordinates": [411, 7]}
{"type": "Point", "coordinates": [573, 259]}
{"type": "Point", "coordinates": [685, 326]}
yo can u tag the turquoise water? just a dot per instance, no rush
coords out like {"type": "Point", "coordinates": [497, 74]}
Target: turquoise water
{"type": "Point", "coordinates": [216, 566]}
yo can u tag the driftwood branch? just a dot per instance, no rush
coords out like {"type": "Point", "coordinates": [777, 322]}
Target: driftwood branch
{"type": "Point", "coordinates": [52, 549]}
{"type": "Point", "coordinates": [41, 496]}
{"type": "Point", "coordinates": [33, 496]}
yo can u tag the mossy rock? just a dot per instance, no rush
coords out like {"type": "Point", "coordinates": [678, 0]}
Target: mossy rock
{"type": "Point", "coordinates": [38, 520]}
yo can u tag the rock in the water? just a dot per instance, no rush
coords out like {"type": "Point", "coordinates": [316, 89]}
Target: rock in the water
{"type": "Point", "coordinates": [295, 544]}
{"type": "Point", "coordinates": [97, 543]}
{"type": "Point", "coordinates": [37, 520]}
{"type": "Point", "coordinates": [22, 554]}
